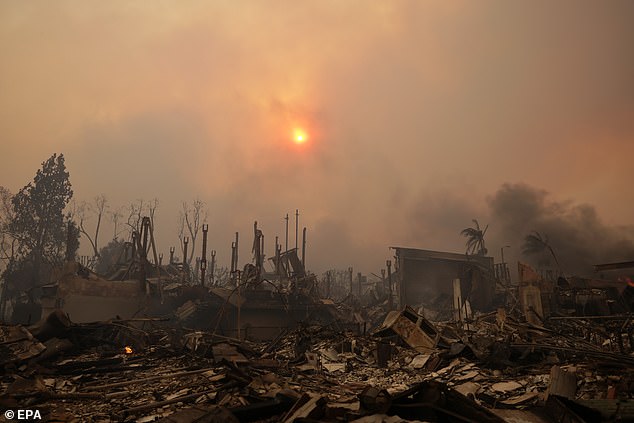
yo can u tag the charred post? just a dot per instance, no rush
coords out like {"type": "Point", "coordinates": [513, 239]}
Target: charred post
{"type": "Point", "coordinates": [286, 244]}
{"type": "Point", "coordinates": [144, 229]}
{"type": "Point", "coordinates": [212, 270]}
{"type": "Point", "coordinates": [296, 227]}
{"type": "Point", "coordinates": [304, 248]}
{"type": "Point", "coordinates": [277, 257]}
{"type": "Point", "coordinates": [237, 240]}
{"type": "Point", "coordinates": [135, 235]}
{"type": "Point", "coordinates": [233, 259]}
{"type": "Point", "coordinates": [350, 280]}
{"type": "Point", "coordinates": [184, 265]}
{"type": "Point", "coordinates": [388, 264]}
{"type": "Point", "coordinates": [203, 259]}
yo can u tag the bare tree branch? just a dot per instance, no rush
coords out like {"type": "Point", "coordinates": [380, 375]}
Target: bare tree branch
{"type": "Point", "coordinates": [190, 221]}
{"type": "Point", "coordinates": [115, 216]}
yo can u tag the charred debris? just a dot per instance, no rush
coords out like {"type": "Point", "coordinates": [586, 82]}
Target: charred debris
{"type": "Point", "coordinates": [437, 337]}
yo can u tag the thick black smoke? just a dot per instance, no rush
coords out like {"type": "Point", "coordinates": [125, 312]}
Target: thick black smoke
{"type": "Point", "coordinates": [575, 232]}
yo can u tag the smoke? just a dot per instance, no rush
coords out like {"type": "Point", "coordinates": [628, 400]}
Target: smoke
{"type": "Point", "coordinates": [414, 112]}
{"type": "Point", "coordinates": [575, 232]}
{"type": "Point", "coordinates": [437, 217]}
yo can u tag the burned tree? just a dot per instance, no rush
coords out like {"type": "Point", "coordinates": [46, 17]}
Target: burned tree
{"type": "Point", "coordinates": [475, 239]}
{"type": "Point", "coordinates": [137, 211]}
{"type": "Point", "coordinates": [192, 218]}
{"type": "Point", "coordinates": [536, 243]}
{"type": "Point", "coordinates": [39, 227]}
{"type": "Point", "coordinates": [115, 216]}
{"type": "Point", "coordinates": [7, 243]}
{"type": "Point", "coordinates": [109, 256]}
{"type": "Point", "coordinates": [98, 206]}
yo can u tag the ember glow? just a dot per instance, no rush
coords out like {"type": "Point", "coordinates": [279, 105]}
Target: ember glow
{"type": "Point", "coordinates": [128, 350]}
{"type": "Point", "coordinates": [627, 280]}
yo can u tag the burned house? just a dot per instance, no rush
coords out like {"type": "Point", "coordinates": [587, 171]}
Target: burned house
{"type": "Point", "coordinates": [86, 297]}
{"type": "Point", "coordinates": [426, 278]}
{"type": "Point", "coordinates": [542, 297]}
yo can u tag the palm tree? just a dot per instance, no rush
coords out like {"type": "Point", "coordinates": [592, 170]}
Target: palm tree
{"type": "Point", "coordinates": [535, 243]}
{"type": "Point", "coordinates": [475, 239]}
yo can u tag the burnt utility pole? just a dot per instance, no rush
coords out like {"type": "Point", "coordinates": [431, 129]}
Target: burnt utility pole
{"type": "Point", "coordinates": [505, 270]}
{"type": "Point", "coordinates": [350, 279]}
{"type": "Point", "coordinates": [277, 256]}
{"type": "Point", "coordinates": [296, 227]}
{"type": "Point", "coordinates": [388, 263]}
{"type": "Point", "coordinates": [257, 249]}
{"type": "Point", "coordinates": [144, 229]}
{"type": "Point", "coordinates": [184, 267]}
{"type": "Point", "coordinates": [135, 235]}
{"type": "Point", "coordinates": [304, 249]}
{"type": "Point", "coordinates": [286, 245]}
{"type": "Point", "coordinates": [256, 242]}
{"type": "Point", "coordinates": [172, 250]}
{"type": "Point", "coordinates": [203, 269]}
{"type": "Point", "coordinates": [203, 259]}
{"type": "Point", "coordinates": [237, 238]}
{"type": "Point", "coordinates": [157, 259]}
{"type": "Point", "coordinates": [233, 258]}
{"type": "Point", "coordinates": [212, 272]}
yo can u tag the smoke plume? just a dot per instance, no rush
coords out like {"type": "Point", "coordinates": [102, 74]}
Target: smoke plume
{"type": "Point", "coordinates": [575, 232]}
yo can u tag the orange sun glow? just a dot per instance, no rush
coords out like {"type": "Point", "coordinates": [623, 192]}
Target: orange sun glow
{"type": "Point", "coordinates": [299, 136]}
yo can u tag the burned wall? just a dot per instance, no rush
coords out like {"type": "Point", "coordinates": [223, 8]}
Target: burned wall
{"type": "Point", "coordinates": [88, 300]}
{"type": "Point", "coordinates": [426, 278]}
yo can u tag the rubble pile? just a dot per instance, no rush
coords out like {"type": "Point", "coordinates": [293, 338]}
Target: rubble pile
{"type": "Point", "coordinates": [492, 368]}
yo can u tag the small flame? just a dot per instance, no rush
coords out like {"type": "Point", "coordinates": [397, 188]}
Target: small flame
{"type": "Point", "coordinates": [128, 350]}
{"type": "Point", "coordinates": [627, 280]}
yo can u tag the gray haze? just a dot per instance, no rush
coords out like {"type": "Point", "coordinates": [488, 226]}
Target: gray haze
{"type": "Point", "coordinates": [415, 113]}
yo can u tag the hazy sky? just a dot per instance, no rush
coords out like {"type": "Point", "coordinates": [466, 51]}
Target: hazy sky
{"type": "Point", "coordinates": [415, 112]}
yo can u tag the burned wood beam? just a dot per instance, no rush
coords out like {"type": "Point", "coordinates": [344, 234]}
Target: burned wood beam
{"type": "Point", "coordinates": [147, 379]}
{"type": "Point", "coordinates": [614, 266]}
{"type": "Point", "coordinates": [618, 358]}
{"type": "Point", "coordinates": [157, 404]}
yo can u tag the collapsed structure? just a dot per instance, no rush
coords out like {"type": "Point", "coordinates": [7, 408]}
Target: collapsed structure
{"type": "Point", "coordinates": [427, 278]}
{"type": "Point", "coordinates": [443, 337]}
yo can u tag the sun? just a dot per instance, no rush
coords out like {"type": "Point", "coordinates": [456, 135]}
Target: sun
{"type": "Point", "coordinates": [299, 136]}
